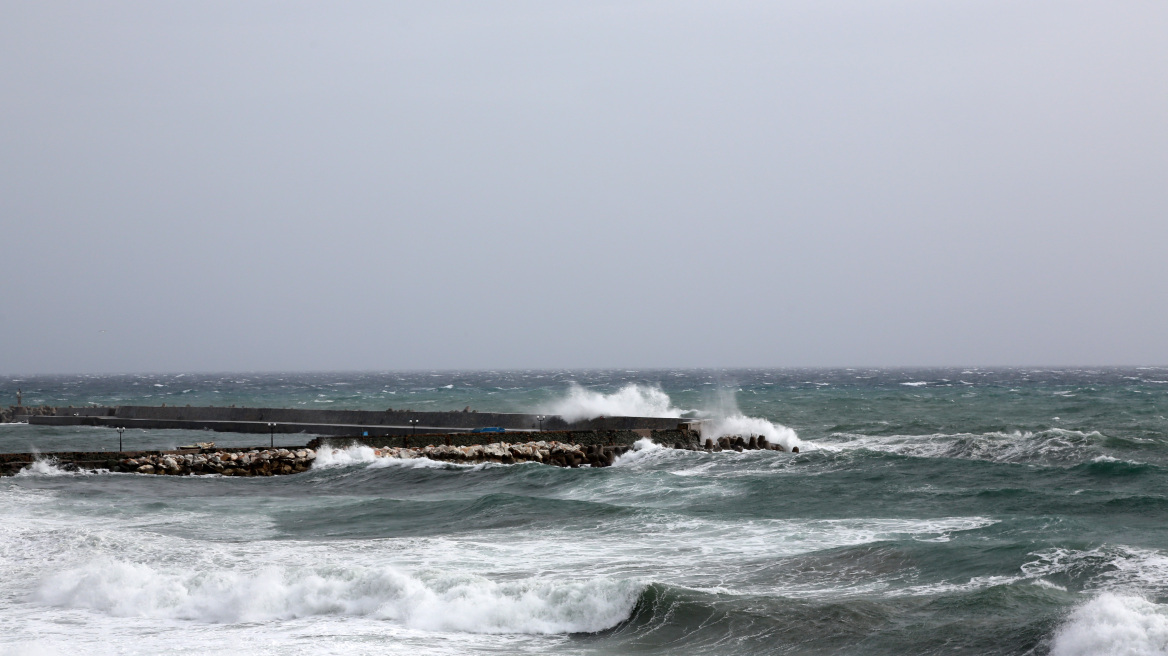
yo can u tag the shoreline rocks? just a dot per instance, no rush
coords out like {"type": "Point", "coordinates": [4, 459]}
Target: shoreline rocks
{"type": "Point", "coordinates": [256, 462]}
{"type": "Point", "coordinates": [283, 461]}
{"type": "Point", "coordinates": [559, 454]}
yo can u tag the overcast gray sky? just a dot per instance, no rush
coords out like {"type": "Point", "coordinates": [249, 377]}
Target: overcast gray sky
{"type": "Point", "coordinates": [340, 185]}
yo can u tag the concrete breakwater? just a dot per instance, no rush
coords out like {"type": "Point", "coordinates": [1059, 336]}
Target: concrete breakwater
{"type": "Point", "coordinates": [679, 438]}
{"type": "Point", "coordinates": [320, 422]}
{"type": "Point", "coordinates": [22, 413]}
{"type": "Point", "coordinates": [683, 438]}
{"type": "Point", "coordinates": [276, 462]}
{"type": "Point", "coordinates": [592, 448]}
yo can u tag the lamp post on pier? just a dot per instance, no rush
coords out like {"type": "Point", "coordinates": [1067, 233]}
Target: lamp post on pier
{"type": "Point", "coordinates": [121, 429]}
{"type": "Point", "coordinates": [272, 435]}
{"type": "Point", "coordinates": [413, 427]}
{"type": "Point", "coordinates": [540, 419]}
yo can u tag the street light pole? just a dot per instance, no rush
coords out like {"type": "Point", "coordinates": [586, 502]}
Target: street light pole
{"type": "Point", "coordinates": [540, 418]}
{"type": "Point", "coordinates": [121, 429]}
{"type": "Point", "coordinates": [413, 427]}
{"type": "Point", "coordinates": [272, 435]}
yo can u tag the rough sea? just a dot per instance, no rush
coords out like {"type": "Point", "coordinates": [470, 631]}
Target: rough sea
{"type": "Point", "coordinates": [948, 511]}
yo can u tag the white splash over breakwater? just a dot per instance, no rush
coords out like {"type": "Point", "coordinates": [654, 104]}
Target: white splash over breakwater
{"type": "Point", "coordinates": [629, 401]}
{"type": "Point", "coordinates": [721, 419]}
{"type": "Point", "coordinates": [43, 467]}
{"type": "Point", "coordinates": [560, 454]}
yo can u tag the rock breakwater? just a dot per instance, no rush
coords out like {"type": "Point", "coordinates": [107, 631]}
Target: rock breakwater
{"type": "Point", "coordinates": [281, 461]}
{"type": "Point", "coordinates": [740, 443]}
{"type": "Point", "coordinates": [257, 462]}
{"type": "Point", "coordinates": [21, 413]}
{"type": "Point", "coordinates": [559, 454]}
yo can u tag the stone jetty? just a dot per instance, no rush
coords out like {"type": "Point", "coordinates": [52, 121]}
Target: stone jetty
{"type": "Point", "coordinates": [266, 421]}
{"type": "Point", "coordinates": [740, 443]}
{"type": "Point", "coordinates": [549, 453]}
{"type": "Point", "coordinates": [256, 462]}
{"type": "Point", "coordinates": [274, 462]}
{"type": "Point", "coordinates": [281, 461]}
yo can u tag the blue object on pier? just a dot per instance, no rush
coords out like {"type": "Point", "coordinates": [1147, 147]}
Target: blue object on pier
{"type": "Point", "coordinates": [364, 433]}
{"type": "Point", "coordinates": [490, 429]}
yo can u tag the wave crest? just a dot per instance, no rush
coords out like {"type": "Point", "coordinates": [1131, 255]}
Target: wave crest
{"type": "Point", "coordinates": [45, 467]}
{"type": "Point", "coordinates": [1054, 446]}
{"type": "Point", "coordinates": [444, 601]}
{"type": "Point", "coordinates": [1113, 624]}
{"type": "Point", "coordinates": [740, 424]}
{"type": "Point", "coordinates": [632, 400]}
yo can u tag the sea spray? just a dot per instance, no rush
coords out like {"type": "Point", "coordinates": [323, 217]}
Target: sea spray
{"type": "Point", "coordinates": [721, 415]}
{"type": "Point", "coordinates": [434, 600]}
{"type": "Point", "coordinates": [343, 457]}
{"type": "Point", "coordinates": [740, 424]}
{"type": "Point", "coordinates": [44, 467]}
{"type": "Point", "coordinates": [1114, 624]}
{"type": "Point", "coordinates": [629, 401]}
{"type": "Point", "coordinates": [641, 449]}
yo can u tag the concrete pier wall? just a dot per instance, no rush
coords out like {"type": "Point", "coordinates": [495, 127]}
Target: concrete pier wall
{"type": "Point", "coordinates": [668, 437]}
{"type": "Point", "coordinates": [11, 463]}
{"type": "Point", "coordinates": [324, 422]}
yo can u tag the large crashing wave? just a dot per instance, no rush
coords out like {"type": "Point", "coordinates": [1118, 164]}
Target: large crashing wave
{"type": "Point", "coordinates": [1053, 446]}
{"type": "Point", "coordinates": [629, 401]}
{"type": "Point", "coordinates": [442, 601]}
{"type": "Point", "coordinates": [633, 400]}
{"type": "Point", "coordinates": [1114, 624]}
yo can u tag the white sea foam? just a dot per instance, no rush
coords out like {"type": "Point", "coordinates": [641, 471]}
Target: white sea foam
{"type": "Point", "coordinates": [1043, 583]}
{"type": "Point", "coordinates": [355, 455]}
{"type": "Point", "coordinates": [629, 401]}
{"type": "Point", "coordinates": [121, 578]}
{"type": "Point", "coordinates": [638, 401]}
{"type": "Point", "coordinates": [327, 457]}
{"type": "Point", "coordinates": [1051, 446]}
{"type": "Point", "coordinates": [1114, 568]}
{"type": "Point", "coordinates": [426, 463]}
{"type": "Point", "coordinates": [437, 601]}
{"type": "Point", "coordinates": [44, 467]}
{"type": "Point", "coordinates": [739, 424]}
{"type": "Point", "coordinates": [1116, 625]}
{"type": "Point", "coordinates": [32, 648]}
{"type": "Point", "coordinates": [641, 449]}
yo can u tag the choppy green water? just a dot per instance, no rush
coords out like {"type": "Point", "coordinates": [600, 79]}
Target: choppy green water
{"type": "Point", "coordinates": [945, 511]}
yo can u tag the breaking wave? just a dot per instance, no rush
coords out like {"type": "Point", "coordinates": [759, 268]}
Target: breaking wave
{"type": "Point", "coordinates": [445, 601]}
{"type": "Point", "coordinates": [1126, 625]}
{"type": "Point", "coordinates": [1109, 568]}
{"type": "Point", "coordinates": [634, 400]}
{"type": "Point", "coordinates": [1055, 446]}
{"type": "Point", "coordinates": [629, 401]}
{"type": "Point", "coordinates": [641, 448]}
{"type": "Point", "coordinates": [329, 457]}
{"type": "Point", "coordinates": [740, 424]}
{"type": "Point", "coordinates": [353, 455]}
{"type": "Point", "coordinates": [46, 467]}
